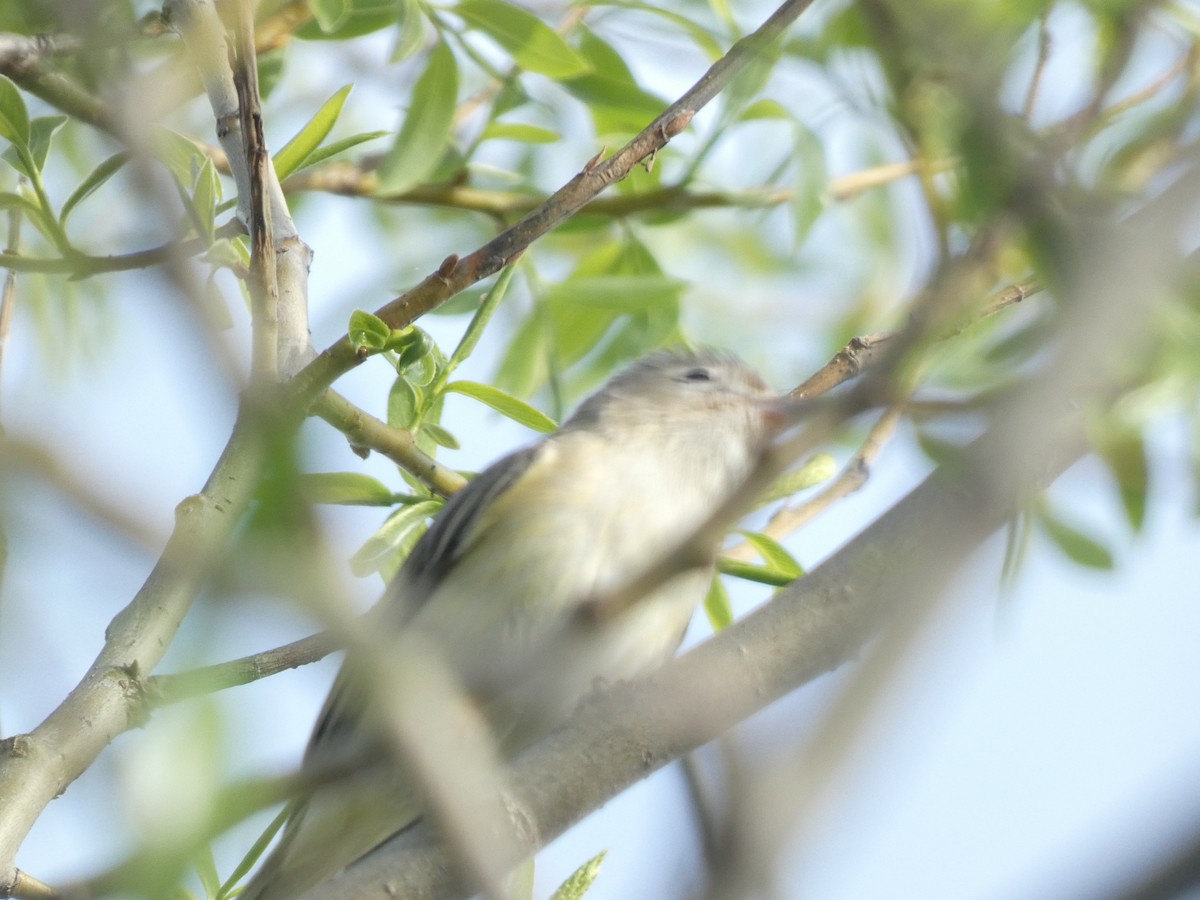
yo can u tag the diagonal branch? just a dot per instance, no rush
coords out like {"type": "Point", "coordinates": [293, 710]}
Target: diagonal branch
{"type": "Point", "coordinates": [456, 274]}
{"type": "Point", "coordinates": [813, 627]}
{"type": "Point", "coordinates": [37, 767]}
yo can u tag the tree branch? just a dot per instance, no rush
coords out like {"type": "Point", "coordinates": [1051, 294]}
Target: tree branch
{"type": "Point", "coordinates": [810, 628]}
{"type": "Point", "coordinates": [456, 274]}
{"type": "Point", "coordinates": [263, 206]}
{"type": "Point", "coordinates": [163, 690]}
{"type": "Point", "coordinates": [365, 431]}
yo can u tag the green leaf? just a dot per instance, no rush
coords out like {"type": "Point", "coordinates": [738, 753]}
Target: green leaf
{"type": "Point", "coordinates": [333, 149]}
{"type": "Point", "coordinates": [256, 850]}
{"type": "Point", "coordinates": [717, 606]}
{"type": "Point", "coordinates": [294, 153]}
{"type": "Point", "coordinates": [404, 404]}
{"type": "Point", "coordinates": [774, 554]}
{"type": "Point", "coordinates": [580, 880]}
{"type": "Point", "coordinates": [412, 345]}
{"type": "Point", "coordinates": [766, 109]}
{"type": "Point", "coordinates": [41, 131]}
{"type": "Point", "coordinates": [426, 131]}
{"type": "Point", "coordinates": [534, 45]}
{"type": "Point", "coordinates": [487, 308]}
{"type": "Point", "coordinates": [812, 180]}
{"type": "Point", "coordinates": [206, 868]}
{"type": "Point", "coordinates": [270, 70]}
{"type": "Point", "coordinates": [440, 436]}
{"type": "Point", "coordinates": [618, 293]}
{"type": "Point", "coordinates": [713, 48]}
{"type": "Point", "coordinates": [816, 470]}
{"type": "Point", "coordinates": [1125, 456]}
{"type": "Point", "coordinates": [505, 404]}
{"type": "Point", "coordinates": [9, 200]}
{"type": "Point", "coordinates": [751, 572]}
{"type": "Point", "coordinates": [940, 451]}
{"type": "Point", "coordinates": [205, 197]}
{"type": "Point", "coordinates": [368, 330]}
{"type": "Point", "coordinates": [14, 117]}
{"type": "Point", "coordinates": [345, 489]}
{"type": "Point", "coordinates": [411, 27]}
{"type": "Point", "coordinates": [229, 254]}
{"type": "Point", "coordinates": [348, 19]}
{"type": "Point", "coordinates": [329, 13]}
{"type": "Point", "coordinates": [618, 105]}
{"type": "Point", "coordinates": [1078, 547]}
{"type": "Point", "coordinates": [518, 131]}
{"type": "Point", "coordinates": [392, 536]}
{"type": "Point", "coordinates": [525, 366]}
{"type": "Point", "coordinates": [181, 157]}
{"type": "Point", "coordinates": [95, 179]}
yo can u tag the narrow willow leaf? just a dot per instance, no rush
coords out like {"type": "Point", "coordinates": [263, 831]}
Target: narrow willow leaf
{"type": "Point", "coordinates": [411, 27]}
{"type": "Point", "coordinates": [518, 131]}
{"type": "Point", "coordinates": [717, 606]}
{"type": "Point", "coordinates": [534, 45]}
{"type": "Point", "coordinates": [332, 149]}
{"type": "Point", "coordinates": [618, 293]}
{"type": "Point", "coordinates": [329, 13]}
{"type": "Point", "coordinates": [360, 17]}
{"type": "Point", "coordinates": [617, 103]}
{"type": "Point", "coordinates": [345, 489]}
{"type": "Point", "coordinates": [505, 404]}
{"type": "Point", "coordinates": [812, 181]}
{"type": "Point", "coordinates": [774, 554]}
{"type": "Point", "coordinates": [713, 48]}
{"type": "Point", "coordinates": [487, 308]}
{"type": "Point", "coordinates": [95, 179]}
{"type": "Point", "coordinates": [816, 470]}
{"type": "Point", "coordinates": [296, 151]}
{"type": "Point", "coordinates": [1077, 546]}
{"type": "Point", "coordinates": [14, 117]}
{"type": "Point", "coordinates": [30, 159]}
{"type": "Point", "coordinates": [205, 197]}
{"type": "Point", "coordinates": [751, 572]}
{"type": "Point", "coordinates": [380, 546]}
{"type": "Point", "coordinates": [404, 404]}
{"type": "Point", "coordinates": [1125, 456]}
{"type": "Point", "coordinates": [181, 157]}
{"type": "Point", "coordinates": [580, 880]}
{"type": "Point", "coordinates": [525, 366]}
{"type": "Point", "coordinates": [9, 200]}
{"type": "Point", "coordinates": [440, 436]}
{"type": "Point", "coordinates": [205, 865]}
{"type": "Point", "coordinates": [256, 851]}
{"type": "Point", "coordinates": [426, 130]}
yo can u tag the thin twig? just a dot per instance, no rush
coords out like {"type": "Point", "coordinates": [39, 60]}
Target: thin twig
{"type": "Point", "coordinates": [853, 476]}
{"type": "Point", "coordinates": [162, 690]}
{"type": "Point", "coordinates": [858, 356]}
{"type": "Point", "coordinates": [364, 430]}
{"type": "Point", "coordinates": [458, 273]}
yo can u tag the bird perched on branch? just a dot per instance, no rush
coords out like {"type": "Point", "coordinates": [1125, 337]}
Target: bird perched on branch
{"type": "Point", "coordinates": [497, 585]}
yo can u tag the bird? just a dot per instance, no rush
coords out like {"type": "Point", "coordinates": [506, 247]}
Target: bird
{"type": "Point", "coordinates": [497, 583]}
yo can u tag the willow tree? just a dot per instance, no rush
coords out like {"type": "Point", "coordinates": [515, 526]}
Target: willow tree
{"type": "Point", "coordinates": [959, 228]}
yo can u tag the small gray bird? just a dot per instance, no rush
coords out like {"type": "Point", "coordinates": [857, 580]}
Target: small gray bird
{"type": "Point", "coordinates": [497, 583]}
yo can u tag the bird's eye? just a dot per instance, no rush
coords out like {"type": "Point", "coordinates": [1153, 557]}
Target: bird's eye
{"type": "Point", "coordinates": [697, 375]}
